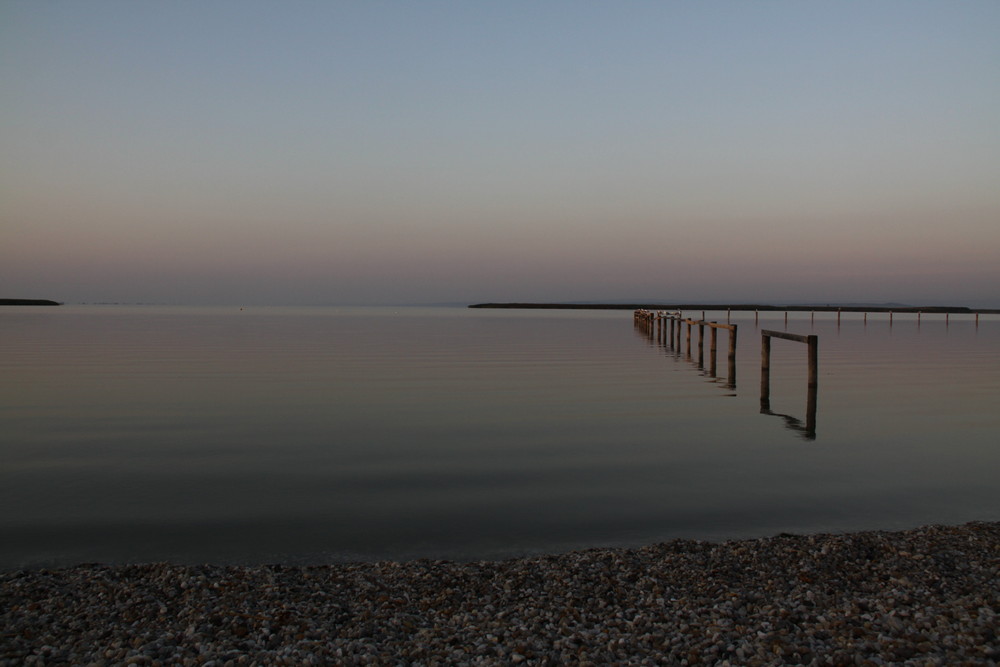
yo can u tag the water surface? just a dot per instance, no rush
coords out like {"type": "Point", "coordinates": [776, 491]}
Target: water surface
{"type": "Point", "coordinates": [329, 434]}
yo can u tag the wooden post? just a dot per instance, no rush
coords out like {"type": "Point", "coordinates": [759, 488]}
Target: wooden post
{"type": "Point", "coordinates": [711, 351]}
{"type": "Point", "coordinates": [732, 357]}
{"type": "Point", "coordinates": [890, 318]}
{"type": "Point", "coordinates": [765, 372]}
{"type": "Point", "coordinates": [688, 338]}
{"type": "Point", "coordinates": [701, 343]}
{"type": "Point", "coordinates": [813, 343]}
{"type": "Point", "coordinates": [838, 316]}
{"type": "Point", "coordinates": [811, 389]}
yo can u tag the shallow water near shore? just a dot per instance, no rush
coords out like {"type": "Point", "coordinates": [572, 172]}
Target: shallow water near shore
{"type": "Point", "coordinates": [309, 435]}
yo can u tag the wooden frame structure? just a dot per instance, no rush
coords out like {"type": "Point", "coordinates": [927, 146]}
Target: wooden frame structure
{"type": "Point", "coordinates": [809, 430]}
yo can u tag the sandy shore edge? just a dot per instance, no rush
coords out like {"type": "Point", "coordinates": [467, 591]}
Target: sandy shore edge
{"type": "Point", "coordinates": [924, 596]}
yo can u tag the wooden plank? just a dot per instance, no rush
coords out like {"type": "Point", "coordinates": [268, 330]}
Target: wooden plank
{"type": "Point", "coordinates": [787, 336]}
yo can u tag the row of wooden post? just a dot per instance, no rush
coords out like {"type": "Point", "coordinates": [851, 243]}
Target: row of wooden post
{"type": "Point", "coordinates": [666, 328]}
{"type": "Point", "coordinates": [812, 316]}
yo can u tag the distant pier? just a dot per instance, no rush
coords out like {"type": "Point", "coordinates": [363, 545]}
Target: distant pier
{"type": "Point", "coordinates": [743, 307]}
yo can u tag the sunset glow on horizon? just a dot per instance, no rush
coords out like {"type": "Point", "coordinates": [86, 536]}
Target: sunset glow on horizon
{"type": "Point", "coordinates": [396, 153]}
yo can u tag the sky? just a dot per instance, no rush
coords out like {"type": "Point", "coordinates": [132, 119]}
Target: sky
{"type": "Point", "coordinates": [298, 153]}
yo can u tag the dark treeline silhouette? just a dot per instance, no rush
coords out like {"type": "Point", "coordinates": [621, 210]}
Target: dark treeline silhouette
{"type": "Point", "coordinates": [28, 302]}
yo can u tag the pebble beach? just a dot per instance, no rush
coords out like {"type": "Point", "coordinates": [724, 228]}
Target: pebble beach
{"type": "Point", "coordinates": [928, 596]}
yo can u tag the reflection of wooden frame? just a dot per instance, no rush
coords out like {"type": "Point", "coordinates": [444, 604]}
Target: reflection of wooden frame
{"type": "Point", "coordinates": [765, 378]}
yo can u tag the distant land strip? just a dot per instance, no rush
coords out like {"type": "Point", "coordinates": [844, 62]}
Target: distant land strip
{"type": "Point", "coordinates": [28, 302]}
{"type": "Point", "coordinates": [738, 307]}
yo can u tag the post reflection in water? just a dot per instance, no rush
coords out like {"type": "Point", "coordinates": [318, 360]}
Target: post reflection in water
{"type": "Point", "coordinates": [806, 430]}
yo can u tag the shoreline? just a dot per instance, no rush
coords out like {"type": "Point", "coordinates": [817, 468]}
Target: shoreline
{"type": "Point", "coordinates": [929, 594]}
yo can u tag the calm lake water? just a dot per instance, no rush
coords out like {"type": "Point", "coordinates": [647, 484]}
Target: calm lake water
{"type": "Point", "coordinates": [328, 434]}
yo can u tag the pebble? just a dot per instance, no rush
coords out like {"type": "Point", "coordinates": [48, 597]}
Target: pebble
{"type": "Point", "coordinates": [928, 596]}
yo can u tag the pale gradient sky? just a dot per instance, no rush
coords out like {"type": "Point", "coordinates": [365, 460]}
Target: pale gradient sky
{"type": "Point", "coordinates": [414, 152]}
